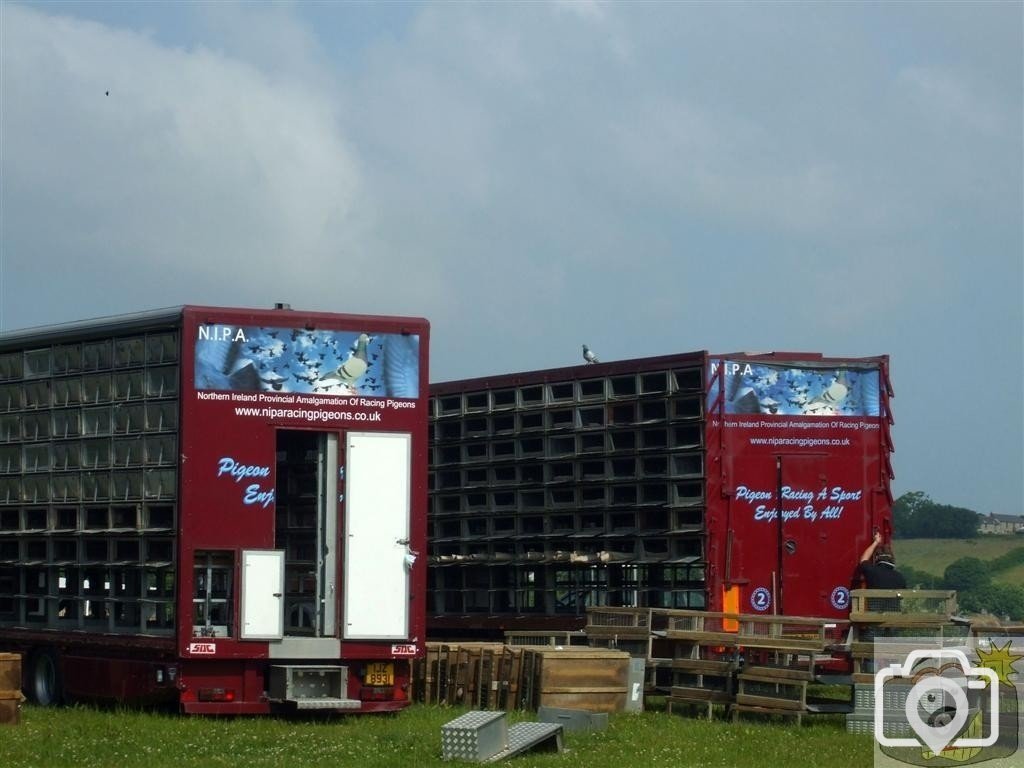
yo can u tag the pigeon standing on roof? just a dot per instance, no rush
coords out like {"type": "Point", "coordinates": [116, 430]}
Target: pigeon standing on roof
{"type": "Point", "coordinates": [589, 355]}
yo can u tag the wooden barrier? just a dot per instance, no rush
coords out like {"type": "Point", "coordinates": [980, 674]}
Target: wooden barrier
{"type": "Point", "coordinates": [739, 662]}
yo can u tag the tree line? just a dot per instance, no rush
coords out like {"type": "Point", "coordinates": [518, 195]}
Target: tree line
{"type": "Point", "coordinates": [916, 516]}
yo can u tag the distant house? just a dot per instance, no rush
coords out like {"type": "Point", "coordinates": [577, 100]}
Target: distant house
{"type": "Point", "coordinates": [994, 523]}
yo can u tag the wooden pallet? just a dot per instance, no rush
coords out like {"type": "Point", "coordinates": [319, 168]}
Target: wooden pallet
{"type": "Point", "coordinates": [482, 675]}
{"type": "Point", "coordinates": [765, 694]}
{"type": "Point", "coordinates": [705, 705]}
{"type": "Point", "coordinates": [702, 684]}
{"type": "Point", "coordinates": [931, 602]}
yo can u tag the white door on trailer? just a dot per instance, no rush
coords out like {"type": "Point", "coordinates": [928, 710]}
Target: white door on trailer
{"type": "Point", "coordinates": [262, 590]}
{"type": "Point", "coordinates": [377, 504]}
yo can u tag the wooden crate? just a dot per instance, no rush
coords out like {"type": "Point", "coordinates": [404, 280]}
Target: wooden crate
{"type": "Point", "coordinates": [509, 676]}
{"type": "Point", "coordinates": [608, 620]}
{"type": "Point", "coordinates": [706, 627]}
{"type": "Point", "coordinates": [542, 637]}
{"type": "Point", "coordinates": [591, 679]}
{"type": "Point", "coordinates": [10, 672]}
{"type": "Point", "coordinates": [795, 633]}
{"type": "Point", "coordinates": [911, 605]}
{"type": "Point", "coordinates": [702, 684]}
{"type": "Point", "coordinates": [771, 694]}
{"type": "Point", "coordinates": [471, 674]}
{"type": "Point", "coordinates": [484, 676]}
{"type": "Point", "coordinates": [10, 707]}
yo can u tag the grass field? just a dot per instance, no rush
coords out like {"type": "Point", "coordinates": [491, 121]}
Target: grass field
{"type": "Point", "coordinates": [933, 555]}
{"type": "Point", "coordinates": [83, 737]}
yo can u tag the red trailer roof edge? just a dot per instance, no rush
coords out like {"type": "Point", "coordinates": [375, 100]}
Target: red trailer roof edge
{"type": "Point", "coordinates": [641, 364]}
{"type": "Point", "coordinates": [173, 315]}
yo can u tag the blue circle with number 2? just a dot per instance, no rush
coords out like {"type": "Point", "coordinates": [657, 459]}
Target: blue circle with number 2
{"type": "Point", "coordinates": [840, 598]}
{"type": "Point", "coordinates": [761, 599]}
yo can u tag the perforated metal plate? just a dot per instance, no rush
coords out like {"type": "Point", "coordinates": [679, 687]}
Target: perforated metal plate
{"type": "Point", "coordinates": [476, 736]}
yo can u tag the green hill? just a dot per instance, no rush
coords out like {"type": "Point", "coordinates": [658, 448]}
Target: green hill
{"type": "Point", "coordinates": [933, 555]}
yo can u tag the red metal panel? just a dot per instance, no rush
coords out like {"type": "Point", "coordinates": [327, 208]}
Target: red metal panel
{"type": "Point", "coordinates": [824, 452]}
{"type": "Point", "coordinates": [119, 679]}
{"type": "Point", "coordinates": [228, 439]}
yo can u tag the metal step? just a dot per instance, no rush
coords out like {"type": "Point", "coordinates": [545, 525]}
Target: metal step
{"type": "Point", "coordinates": [324, 703]}
{"type": "Point", "coordinates": [821, 707]}
{"type": "Point", "coordinates": [316, 687]}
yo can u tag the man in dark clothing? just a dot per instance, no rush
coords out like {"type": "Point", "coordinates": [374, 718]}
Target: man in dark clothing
{"type": "Point", "coordinates": [877, 569]}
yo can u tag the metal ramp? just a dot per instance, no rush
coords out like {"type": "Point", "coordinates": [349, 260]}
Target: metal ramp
{"type": "Point", "coordinates": [486, 737]}
{"type": "Point", "coordinates": [523, 737]}
{"type": "Point", "coordinates": [310, 687]}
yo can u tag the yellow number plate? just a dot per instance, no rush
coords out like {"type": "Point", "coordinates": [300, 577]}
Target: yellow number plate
{"type": "Point", "coordinates": [379, 674]}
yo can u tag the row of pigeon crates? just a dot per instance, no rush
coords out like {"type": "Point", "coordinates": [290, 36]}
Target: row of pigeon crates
{"type": "Point", "coordinates": [585, 469]}
{"type": "Point", "coordinates": [625, 414]}
{"type": "Point", "coordinates": [598, 389]}
{"type": "Point", "coordinates": [90, 518]}
{"type": "Point", "coordinates": [591, 548]}
{"type": "Point", "coordinates": [564, 446]}
{"type": "Point", "coordinates": [748, 630]}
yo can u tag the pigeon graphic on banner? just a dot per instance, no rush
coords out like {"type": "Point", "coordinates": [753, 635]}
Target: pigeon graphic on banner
{"type": "Point", "coordinates": [306, 360]}
{"type": "Point", "coordinates": [354, 367]}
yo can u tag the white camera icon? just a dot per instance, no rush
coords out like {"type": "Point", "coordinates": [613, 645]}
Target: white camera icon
{"type": "Point", "coordinates": [939, 702]}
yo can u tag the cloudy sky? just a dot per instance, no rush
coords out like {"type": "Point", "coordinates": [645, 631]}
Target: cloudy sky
{"type": "Point", "coordinates": [649, 178]}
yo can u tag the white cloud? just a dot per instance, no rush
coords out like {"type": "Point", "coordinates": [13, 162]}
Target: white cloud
{"type": "Point", "coordinates": [945, 95]}
{"type": "Point", "coordinates": [195, 167]}
{"type": "Point", "coordinates": [591, 10]}
{"type": "Point", "coordinates": [648, 178]}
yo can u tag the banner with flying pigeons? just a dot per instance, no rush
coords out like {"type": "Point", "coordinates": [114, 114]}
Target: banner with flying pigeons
{"type": "Point", "coordinates": [296, 360]}
{"type": "Point", "coordinates": [789, 389]}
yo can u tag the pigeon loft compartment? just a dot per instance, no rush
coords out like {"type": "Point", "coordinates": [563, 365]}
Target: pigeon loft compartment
{"type": "Point", "coordinates": [588, 679]}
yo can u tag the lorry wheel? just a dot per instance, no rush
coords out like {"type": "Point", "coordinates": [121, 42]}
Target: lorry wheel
{"type": "Point", "coordinates": [44, 683]}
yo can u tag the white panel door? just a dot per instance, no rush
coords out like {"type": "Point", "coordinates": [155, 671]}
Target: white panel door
{"type": "Point", "coordinates": [262, 590]}
{"type": "Point", "coordinates": [376, 579]}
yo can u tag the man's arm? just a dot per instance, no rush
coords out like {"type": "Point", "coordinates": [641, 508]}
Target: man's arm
{"type": "Point", "coordinates": [871, 548]}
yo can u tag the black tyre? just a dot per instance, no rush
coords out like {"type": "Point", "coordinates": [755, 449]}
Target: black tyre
{"type": "Point", "coordinates": [44, 681]}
